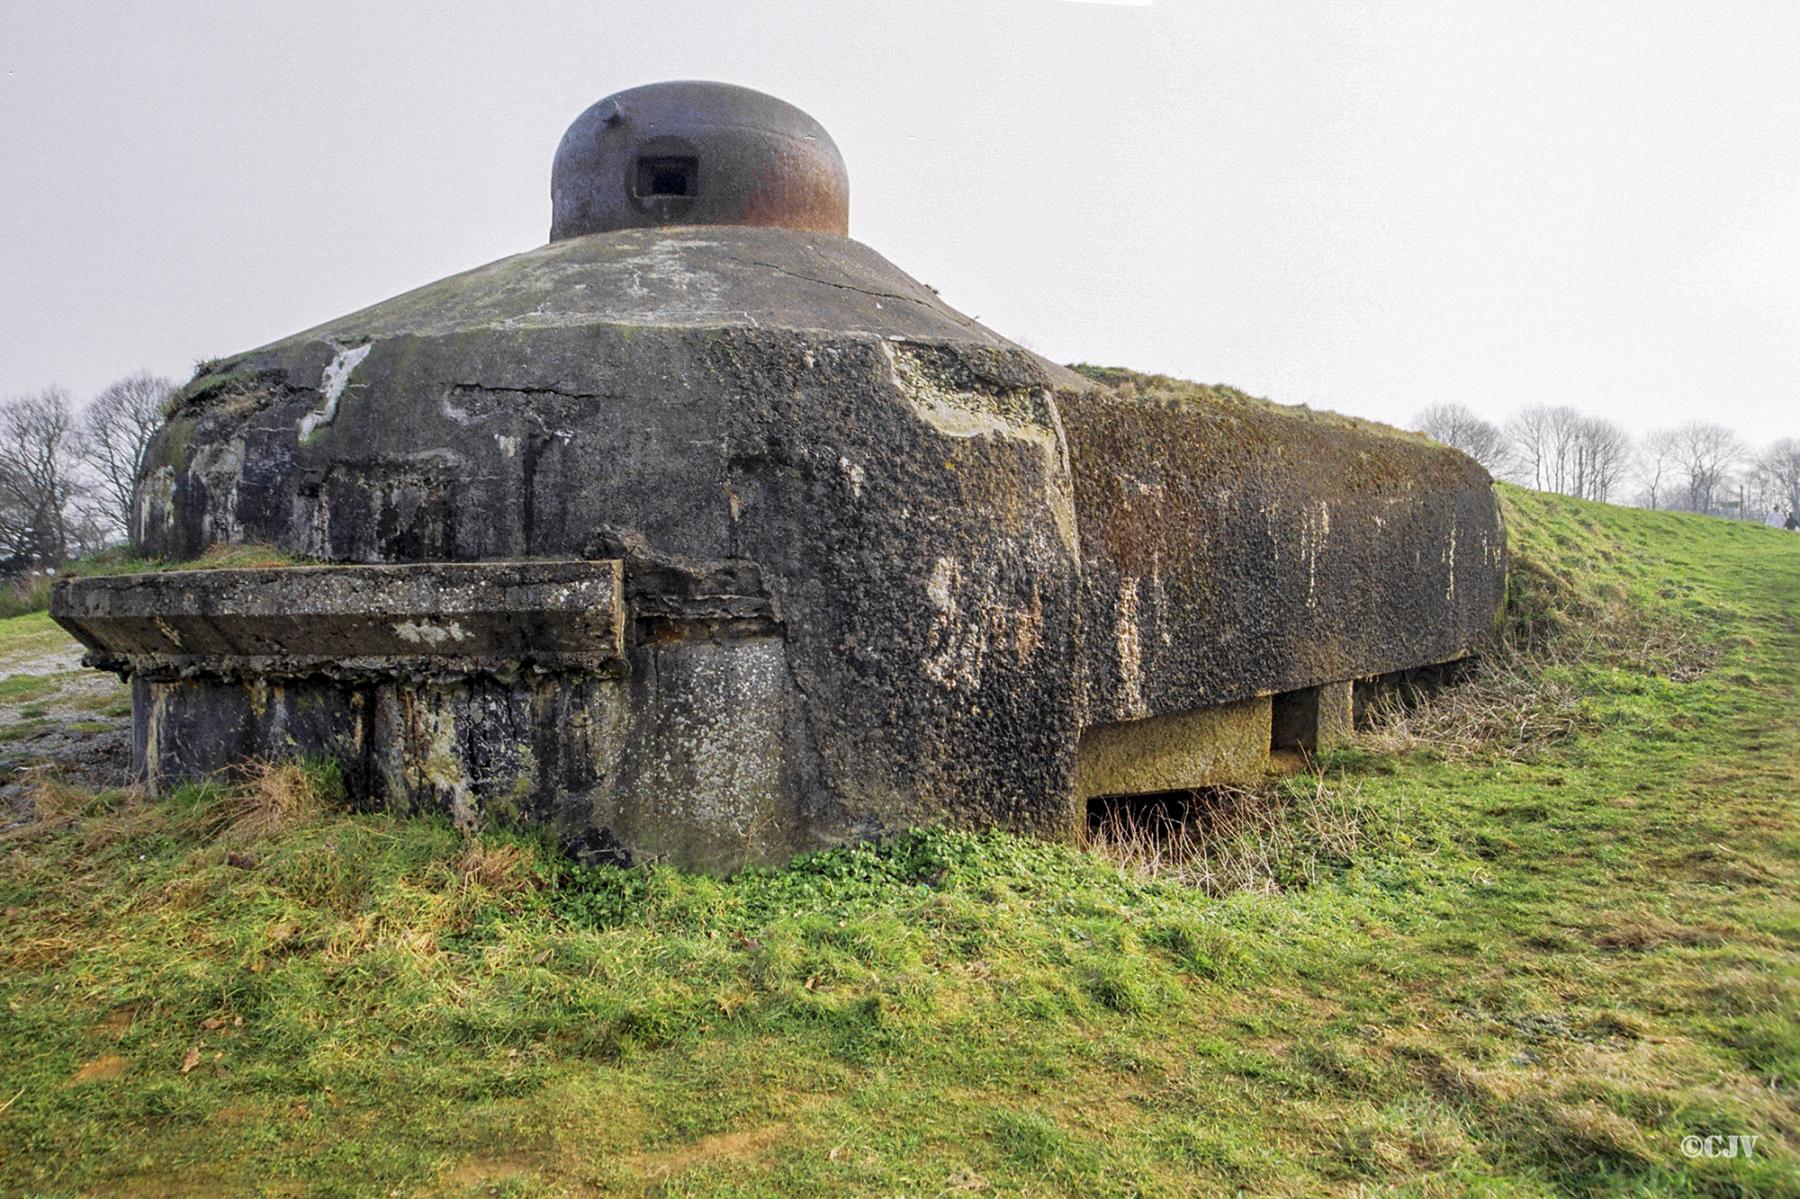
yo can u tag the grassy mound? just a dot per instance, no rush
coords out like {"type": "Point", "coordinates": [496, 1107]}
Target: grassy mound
{"type": "Point", "coordinates": [1501, 954]}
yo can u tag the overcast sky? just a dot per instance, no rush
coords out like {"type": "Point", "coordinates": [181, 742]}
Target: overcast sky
{"type": "Point", "coordinates": [1367, 207]}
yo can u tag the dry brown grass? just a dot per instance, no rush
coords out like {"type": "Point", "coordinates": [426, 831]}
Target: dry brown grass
{"type": "Point", "coordinates": [1265, 838]}
{"type": "Point", "coordinates": [1504, 705]}
{"type": "Point", "coordinates": [263, 799]}
{"type": "Point", "coordinates": [55, 803]}
{"type": "Point", "coordinates": [503, 870]}
{"type": "Point", "coordinates": [1522, 692]}
{"type": "Point", "coordinates": [272, 797]}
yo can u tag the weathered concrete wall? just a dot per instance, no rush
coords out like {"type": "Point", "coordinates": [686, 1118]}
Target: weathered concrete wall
{"type": "Point", "coordinates": [1175, 752]}
{"type": "Point", "coordinates": [870, 528]}
{"type": "Point", "coordinates": [691, 763]}
{"type": "Point", "coordinates": [872, 565]}
{"type": "Point", "coordinates": [1312, 719]}
{"type": "Point", "coordinates": [1233, 548]}
{"type": "Point", "coordinates": [289, 622]}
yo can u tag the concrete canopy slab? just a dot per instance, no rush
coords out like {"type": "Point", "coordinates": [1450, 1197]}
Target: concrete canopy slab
{"type": "Point", "coordinates": [459, 617]}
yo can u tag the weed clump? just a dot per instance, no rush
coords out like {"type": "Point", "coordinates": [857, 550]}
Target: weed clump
{"type": "Point", "coordinates": [276, 796]}
{"type": "Point", "coordinates": [1580, 603]}
{"type": "Point", "coordinates": [1264, 838]}
{"type": "Point", "coordinates": [261, 800]}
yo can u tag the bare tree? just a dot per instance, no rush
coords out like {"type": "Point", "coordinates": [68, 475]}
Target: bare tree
{"type": "Point", "coordinates": [1780, 466]}
{"type": "Point", "coordinates": [1559, 449]}
{"type": "Point", "coordinates": [37, 483]}
{"type": "Point", "coordinates": [89, 526]}
{"type": "Point", "coordinates": [116, 430]}
{"type": "Point", "coordinates": [1543, 444]}
{"type": "Point", "coordinates": [1656, 463]}
{"type": "Point", "coordinates": [1459, 428]}
{"type": "Point", "coordinates": [1528, 431]}
{"type": "Point", "coordinates": [1704, 455]}
{"type": "Point", "coordinates": [1758, 496]}
{"type": "Point", "coordinates": [1601, 453]}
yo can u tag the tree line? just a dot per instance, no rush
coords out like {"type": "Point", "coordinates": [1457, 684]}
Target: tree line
{"type": "Point", "coordinates": [68, 471]}
{"type": "Point", "coordinates": [1696, 467]}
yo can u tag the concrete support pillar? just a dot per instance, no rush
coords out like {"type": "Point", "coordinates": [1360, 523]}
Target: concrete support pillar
{"type": "Point", "coordinates": [1312, 719]}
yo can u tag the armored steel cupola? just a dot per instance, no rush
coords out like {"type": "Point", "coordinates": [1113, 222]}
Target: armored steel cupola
{"type": "Point", "coordinates": [693, 153]}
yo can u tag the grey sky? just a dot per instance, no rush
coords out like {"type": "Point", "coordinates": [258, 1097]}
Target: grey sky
{"type": "Point", "coordinates": [1365, 207]}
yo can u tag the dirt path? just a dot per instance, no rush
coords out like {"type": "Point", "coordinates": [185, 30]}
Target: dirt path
{"type": "Point", "coordinates": [57, 718]}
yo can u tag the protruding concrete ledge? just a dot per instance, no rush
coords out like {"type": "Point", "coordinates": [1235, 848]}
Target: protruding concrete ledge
{"type": "Point", "coordinates": [431, 618]}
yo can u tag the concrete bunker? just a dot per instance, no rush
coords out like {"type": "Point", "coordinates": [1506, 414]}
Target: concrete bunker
{"type": "Point", "coordinates": [703, 534]}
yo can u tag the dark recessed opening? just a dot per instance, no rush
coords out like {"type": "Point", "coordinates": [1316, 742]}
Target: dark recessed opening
{"type": "Point", "coordinates": [1215, 838]}
{"type": "Point", "coordinates": [1163, 811]}
{"type": "Point", "coordinates": [1379, 697]}
{"type": "Point", "coordinates": [1294, 721]}
{"type": "Point", "coordinates": [666, 177]}
{"type": "Point", "coordinates": [1184, 817]}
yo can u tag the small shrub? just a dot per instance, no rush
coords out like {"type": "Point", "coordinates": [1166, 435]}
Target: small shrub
{"type": "Point", "coordinates": [26, 594]}
{"type": "Point", "coordinates": [1119, 986]}
{"type": "Point", "coordinates": [508, 871]}
{"type": "Point", "coordinates": [54, 803]}
{"type": "Point", "coordinates": [1205, 949]}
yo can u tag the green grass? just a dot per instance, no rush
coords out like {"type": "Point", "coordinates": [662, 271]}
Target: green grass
{"type": "Point", "coordinates": [28, 636]}
{"type": "Point", "coordinates": [1545, 963]}
{"type": "Point", "coordinates": [31, 594]}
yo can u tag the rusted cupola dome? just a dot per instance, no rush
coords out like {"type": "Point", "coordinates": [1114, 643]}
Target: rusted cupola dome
{"type": "Point", "coordinates": [694, 153]}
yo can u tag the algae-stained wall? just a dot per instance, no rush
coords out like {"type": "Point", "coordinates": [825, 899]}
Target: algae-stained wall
{"type": "Point", "coordinates": [867, 564]}
{"type": "Point", "coordinates": [881, 504]}
{"type": "Point", "coordinates": [879, 566]}
{"type": "Point", "coordinates": [1231, 547]}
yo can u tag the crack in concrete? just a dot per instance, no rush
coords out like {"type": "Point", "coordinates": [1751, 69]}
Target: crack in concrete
{"type": "Point", "coordinates": [531, 391]}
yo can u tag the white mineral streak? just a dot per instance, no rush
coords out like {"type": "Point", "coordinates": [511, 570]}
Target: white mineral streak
{"type": "Point", "coordinates": [854, 473]}
{"type": "Point", "coordinates": [443, 767]}
{"type": "Point", "coordinates": [676, 289]}
{"type": "Point", "coordinates": [1315, 529]}
{"type": "Point", "coordinates": [1450, 562]}
{"type": "Point", "coordinates": [956, 646]}
{"type": "Point", "coordinates": [331, 386]}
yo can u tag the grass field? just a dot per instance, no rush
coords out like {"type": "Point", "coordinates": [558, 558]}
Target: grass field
{"type": "Point", "coordinates": [1523, 942]}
